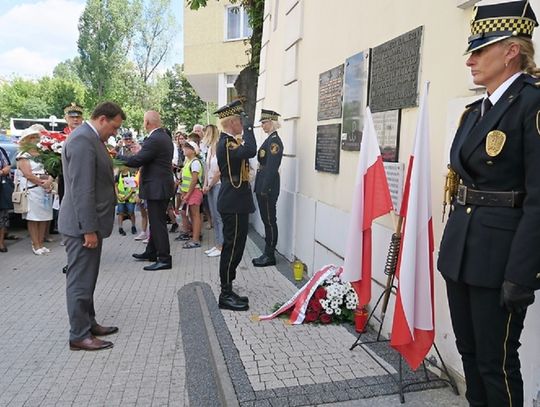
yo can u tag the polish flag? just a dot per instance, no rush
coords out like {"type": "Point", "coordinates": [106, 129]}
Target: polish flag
{"type": "Point", "coordinates": [413, 328]}
{"type": "Point", "coordinates": [371, 199]}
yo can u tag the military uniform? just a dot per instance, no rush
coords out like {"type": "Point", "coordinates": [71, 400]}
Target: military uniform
{"type": "Point", "coordinates": [491, 238]}
{"type": "Point", "coordinates": [235, 203]}
{"type": "Point", "coordinates": [267, 185]}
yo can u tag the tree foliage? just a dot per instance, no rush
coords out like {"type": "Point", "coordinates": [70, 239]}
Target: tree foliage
{"type": "Point", "coordinates": [38, 99]}
{"type": "Point", "coordinates": [153, 36]}
{"type": "Point", "coordinates": [181, 105]}
{"type": "Point", "coordinates": [105, 35]}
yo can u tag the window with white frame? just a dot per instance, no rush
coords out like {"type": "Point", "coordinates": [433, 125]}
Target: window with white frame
{"type": "Point", "coordinates": [237, 23]}
{"type": "Point", "coordinates": [229, 84]}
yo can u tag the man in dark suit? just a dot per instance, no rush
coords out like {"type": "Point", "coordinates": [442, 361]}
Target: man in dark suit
{"type": "Point", "coordinates": [235, 199]}
{"type": "Point", "coordinates": [156, 188]}
{"type": "Point", "coordinates": [86, 218]}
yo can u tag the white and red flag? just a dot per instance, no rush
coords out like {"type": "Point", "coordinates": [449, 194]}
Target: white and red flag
{"type": "Point", "coordinates": [413, 328]}
{"type": "Point", "coordinates": [371, 199]}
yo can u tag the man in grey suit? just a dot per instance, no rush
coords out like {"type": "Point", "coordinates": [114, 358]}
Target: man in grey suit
{"type": "Point", "coordinates": [86, 218]}
{"type": "Point", "coordinates": [156, 188]}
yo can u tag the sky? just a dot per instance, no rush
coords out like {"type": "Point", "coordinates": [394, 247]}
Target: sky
{"type": "Point", "coordinates": [35, 35]}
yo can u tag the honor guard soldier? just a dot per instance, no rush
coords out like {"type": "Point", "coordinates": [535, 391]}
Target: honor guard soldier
{"type": "Point", "coordinates": [235, 199]}
{"type": "Point", "coordinates": [267, 185]}
{"type": "Point", "coordinates": [489, 253]}
{"type": "Point", "coordinates": [73, 113]}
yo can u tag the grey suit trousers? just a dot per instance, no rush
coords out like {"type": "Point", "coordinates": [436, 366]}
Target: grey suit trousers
{"type": "Point", "coordinates": [81, 276]}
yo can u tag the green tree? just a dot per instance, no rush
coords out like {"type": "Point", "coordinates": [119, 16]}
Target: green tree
{"type": "Point", "coordinates": [153, 36]}
{"type": "Point", "coordinates": [247, 81]}
{"type": "Point", "coordinates": [181, 105]}
{"type": "Point", "coordinates": [59, 92]}
{"type": "Point", "coordinates": [21, 98]}
{"type": "Point", "coordinates": [105, 35]}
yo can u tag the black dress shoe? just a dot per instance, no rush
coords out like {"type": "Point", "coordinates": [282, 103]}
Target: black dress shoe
{"type": "Point", "coordinates": [144, 256]}
{"type": "Point", "coordinates": [3, 249]}
{"type": "Point", "coordinates": [159, 265]}
{"type": "Point", "coordinates": [264, 261]}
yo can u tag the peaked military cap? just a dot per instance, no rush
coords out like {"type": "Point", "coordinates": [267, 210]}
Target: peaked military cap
{"type": "Point", "coordinates": [496, 22]}
{"type": "Point", "coordinates": [269, 115]}
{"type": "Point", "coordinates": [234, 108]}
{"type": "Point", "coordinates": [73, 109]}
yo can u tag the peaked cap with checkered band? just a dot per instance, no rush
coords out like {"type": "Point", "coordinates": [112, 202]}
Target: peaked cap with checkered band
{"type": "Point", "coordinates": [496, 22]}
{"type": "Point", "coordinates": [234, 108]}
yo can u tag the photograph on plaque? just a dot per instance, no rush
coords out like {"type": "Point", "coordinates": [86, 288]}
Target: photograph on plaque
{"type": "Point", "coordinates": [387, 125]}
{"type": "Point", "coordinates": [354, 100]}
{"type": "Point", "coordinates": [327, 148]}
{"type": "Point", "coordinates": [330, 93]}
{"type": "Point", "coordinates": [395, 67]}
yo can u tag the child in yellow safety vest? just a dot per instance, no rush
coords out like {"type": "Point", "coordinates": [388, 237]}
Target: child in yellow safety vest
{"type": "Point", "coordinates": [191, 191]}
{"type": "Point", "coordinates": [126, 195]}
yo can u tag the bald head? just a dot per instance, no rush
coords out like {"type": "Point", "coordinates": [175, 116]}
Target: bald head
{"type": "Point", "coordinates": [152, 120]}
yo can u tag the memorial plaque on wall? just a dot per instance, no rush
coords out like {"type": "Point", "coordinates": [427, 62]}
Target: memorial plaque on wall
{"type": "Point", "coordinates": [394, 175]}
{"type": "Point", "coordinates": [387, 126]}
{"type": "Point", "coordinates": [327, 148]}
{"type": "Point", "coordinates": [330, 93]}
{"type": "Point", "coordinates": [354, 100]}
{"type": "Point", "coordinates": [394, 72]}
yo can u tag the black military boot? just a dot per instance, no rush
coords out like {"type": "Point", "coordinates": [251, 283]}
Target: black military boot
{"type": "Point", "coordinates": [264, 260]}
{"type": "Point", "coordinates": [229, 300]}
{"type": "Point", "coordinates": [240, 298]}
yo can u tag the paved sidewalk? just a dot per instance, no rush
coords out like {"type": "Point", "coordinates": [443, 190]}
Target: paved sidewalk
{"type": "Point", "coordinates": [147, 366]}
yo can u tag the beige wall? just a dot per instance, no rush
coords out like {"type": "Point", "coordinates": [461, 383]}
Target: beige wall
{"type": "Point", "coordinates": [205, 48]}
{"type": "Point", "coordinates": [305, 38]}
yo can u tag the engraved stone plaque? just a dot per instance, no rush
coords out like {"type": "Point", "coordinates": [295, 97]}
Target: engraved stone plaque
{"type": "Point", "coordinates": [327, 148]}
{"type": "Point", "coordinates": [394, 72]}
{"type": "Point", "coordinates": [330, 93]}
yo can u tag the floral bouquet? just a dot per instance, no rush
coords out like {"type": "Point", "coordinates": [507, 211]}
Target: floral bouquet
{"type": "Point", "coordinates": [49, 149]}
{"type": "Point", "coordinates": [333, 301]}
{"type": "Point", "coordinates": [324, 299]}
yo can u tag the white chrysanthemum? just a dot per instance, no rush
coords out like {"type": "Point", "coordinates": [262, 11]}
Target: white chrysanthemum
{"type": "Point", "coordinates": [329, 311]}
{"type": "Point", "coordinates": [338, 311]}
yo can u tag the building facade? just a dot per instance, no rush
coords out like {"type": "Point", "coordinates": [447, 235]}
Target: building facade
{"type": "Point", "coordinates": [308, 46]}
{"type": "Point", "coordinates": [215, 49]}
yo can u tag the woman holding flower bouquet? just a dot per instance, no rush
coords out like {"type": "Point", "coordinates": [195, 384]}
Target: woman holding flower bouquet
{"type": "Point", "coordinates": [31, 176]}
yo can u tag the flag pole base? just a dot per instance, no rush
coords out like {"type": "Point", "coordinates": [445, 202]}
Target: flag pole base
{"type": "Point", "coordinates": [444, 376]}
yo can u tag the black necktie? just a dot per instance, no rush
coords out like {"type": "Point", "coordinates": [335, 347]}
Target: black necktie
{"type": "Point", "coordinates": [486, 105]}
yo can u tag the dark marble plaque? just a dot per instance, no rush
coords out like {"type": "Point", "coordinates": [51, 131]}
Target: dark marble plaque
{"type": "Point", "coordinates": [328, 148]}
{"type": "Point", "coordinates": [330, 93]}
{"type": "Point", "coordinates": [394, 72]}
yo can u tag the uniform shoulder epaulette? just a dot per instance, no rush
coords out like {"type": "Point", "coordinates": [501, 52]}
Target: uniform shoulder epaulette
{"type": "Point", "coordinates": [468, 108]}
{"type": "Point", "coordinates": [473, 104]}
{"type": "Point", "coordinates": [532, 80]}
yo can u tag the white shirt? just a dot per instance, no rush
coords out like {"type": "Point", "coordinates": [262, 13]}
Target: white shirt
{"type": "Point", "coordinates": [503, 87]}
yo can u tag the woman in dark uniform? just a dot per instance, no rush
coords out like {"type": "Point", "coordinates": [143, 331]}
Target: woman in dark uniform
{"type": "Point", "coordinates": [267, 185]}
{"type": "Point", "coordinates": [489, 253]}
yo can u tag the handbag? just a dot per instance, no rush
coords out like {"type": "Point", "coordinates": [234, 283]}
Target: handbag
{"type": "Point", "coordinates": [20, 199]}
{"type": "Point", "coordinates": [6, 191]}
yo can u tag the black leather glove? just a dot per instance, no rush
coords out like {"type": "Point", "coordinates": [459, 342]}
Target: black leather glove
{"type": "Point", "coordinates": [516, 298]}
